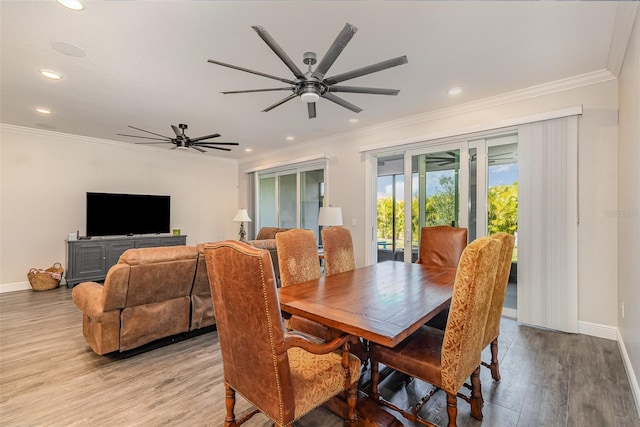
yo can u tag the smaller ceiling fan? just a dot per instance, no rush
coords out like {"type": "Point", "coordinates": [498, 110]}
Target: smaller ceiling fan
{"type": "Point", "coordinates": [313, 85]}
{"type": "Point", "coordinates": [183, 141]}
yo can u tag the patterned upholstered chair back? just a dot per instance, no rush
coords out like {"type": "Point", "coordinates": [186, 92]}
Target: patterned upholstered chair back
{"type": "Point", "coordinates": [297, 256]}
{"type": "Point", "coordinates": [249, 326]}
{"type": "Point", "coordinates": [441, 246]}
{"type": "Point", "coordinates": [472, 293]}
{"type": "Point", "coordinates": [338, 250]}
{"type": "Point", "coordinates": [502, 279]}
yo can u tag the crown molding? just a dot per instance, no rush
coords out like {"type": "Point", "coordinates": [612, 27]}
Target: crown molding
{"type": "Point", "coordinates": [549, 88]}
{"type": "Point", "coordinates": [67, 137]}
{"type": "Point", "coordinates": [626, 15]}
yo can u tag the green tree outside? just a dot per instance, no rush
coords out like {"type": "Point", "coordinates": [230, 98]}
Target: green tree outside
{"type": "Point", "coordinates": [440, 210]}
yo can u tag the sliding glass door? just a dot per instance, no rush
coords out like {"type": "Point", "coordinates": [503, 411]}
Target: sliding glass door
{"type": "Point", "coordinates": [436, 192]}
{"type": "Point", "coordinates": [471, 183]}
{"type": "Point", "coordinates": [291, 198]}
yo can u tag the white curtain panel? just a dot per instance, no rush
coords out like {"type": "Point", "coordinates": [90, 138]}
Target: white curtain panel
{"type": "Point", "coordinates": [548, 224]}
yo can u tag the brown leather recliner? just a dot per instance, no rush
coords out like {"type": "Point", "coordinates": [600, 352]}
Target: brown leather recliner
{"type": "Point", "coordinates": [146, 296]}
{"type": "Point", "coordinates": [284, 376]}
{"type": "Point", "coordinates": [202, 312]}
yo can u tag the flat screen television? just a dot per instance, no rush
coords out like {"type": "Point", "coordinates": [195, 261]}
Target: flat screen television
{"type": "Point", "coordinates": [110, 214]}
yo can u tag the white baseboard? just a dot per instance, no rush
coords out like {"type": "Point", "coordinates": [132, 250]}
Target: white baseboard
{"type": "Point", "coordinates": [511, 313]}
{"type": "Point", "coordinates": [633, 382]}
{"type": "Point", "coordinates": [597, 330]}
{"type": "Point", "coordinates": [12, 287]}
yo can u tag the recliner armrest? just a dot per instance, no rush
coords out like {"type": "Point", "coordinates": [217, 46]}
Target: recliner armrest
{"type": "Point", "coordinates": [88, 297]}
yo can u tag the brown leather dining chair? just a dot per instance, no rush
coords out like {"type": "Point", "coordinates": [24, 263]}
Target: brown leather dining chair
{"type": "Point", "coordinates": [284, 376]}
{"type": "Point", "coordinates": [338, 250]}
{"type": "Point", "coordinates": [492, 329]}
{"type": "Point", "coordinates": [447, 358]}
{"type": "Point", "coordinates": [441, 246]}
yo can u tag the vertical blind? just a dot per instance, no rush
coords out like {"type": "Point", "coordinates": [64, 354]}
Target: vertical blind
{"type": "Point", "coordinates": [548, 224]}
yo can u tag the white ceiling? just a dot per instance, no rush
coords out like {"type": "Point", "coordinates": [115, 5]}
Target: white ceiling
{"type": "Point", "coordinates": [146, 62]}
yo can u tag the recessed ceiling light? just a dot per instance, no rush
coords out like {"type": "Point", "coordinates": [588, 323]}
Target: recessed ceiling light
{"type": "Point", "coordinates": [43, 110]}
{"type": "Point", "coordinates": [51, 74]}
{"type": "Point", "coordinates": [290, 138]}
{"type": "Point", "coordinates": [248, 150]}
{"type": "Point", "coordinates": [353, 120]}
{"type": "Point", "coordinates": [72, 4]}
{"type": "Point", "coordinates": [455, 91]}
{"type": "Point", "coordinates": [68, 49]}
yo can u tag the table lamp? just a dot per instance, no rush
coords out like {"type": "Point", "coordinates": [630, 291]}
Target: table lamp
{"type": "Point", "coordinates": [330, 216]}
{"type": "Point", "coordinates": [241, 217]}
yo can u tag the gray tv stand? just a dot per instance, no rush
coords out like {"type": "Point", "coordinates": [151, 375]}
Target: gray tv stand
{"type": "Point", "coordinates": [89, 260]}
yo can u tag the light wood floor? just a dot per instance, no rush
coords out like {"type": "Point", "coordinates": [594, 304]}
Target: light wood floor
{"type": "Point", "coordinates": [50, 377]}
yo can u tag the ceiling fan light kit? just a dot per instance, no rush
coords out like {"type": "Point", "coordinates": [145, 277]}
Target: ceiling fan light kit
{"type": "Point", "coordinates": [312, 85]}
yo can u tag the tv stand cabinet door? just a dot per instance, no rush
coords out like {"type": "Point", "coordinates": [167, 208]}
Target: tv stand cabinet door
{"type": "Point", "coordinates": [88, 262]}
{"type": "Point", "coordinates": [117, 248]}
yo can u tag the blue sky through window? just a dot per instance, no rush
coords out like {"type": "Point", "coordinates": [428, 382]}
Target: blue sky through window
{"type": "Point", "coordinates": [505, 174]}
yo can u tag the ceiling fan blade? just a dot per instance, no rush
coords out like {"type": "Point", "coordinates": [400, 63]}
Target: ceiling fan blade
{"type": "Point", "coordinates": [311, 108]}
{"type": "Point", "coordinates": [282, 101]}
{"type": "Point", "coordinates": [246, 70]}
{"type": "Point", "coordinates": [148, 143]}
{"type": "Point", "coordinates": [152, 133]}
{"type": "Point", "coordinates": [200, 138]}
{"type": "Point", "coordinates": [177, 131]}
{"type": "Point", "coordinates": [275, 47]}
{"type": "Point", "coordinates": [205, 143]}
{"type": "Point", "coordinates": [368, 90]}
{"type": "Point", "coordinates": [349, 106]}
{"type": "Point", "coordinates": [199, 149]}
{"type": "Point", "coordinates": [389, 63]}
{"type": "Point", "coordinates": [215, 148]}
{"type": "Point", "coordinates": [145, 137]}
{"type": "Point", "coordinates": [335, 49]}
{"type": "Point", "coordinates": [257, 90]}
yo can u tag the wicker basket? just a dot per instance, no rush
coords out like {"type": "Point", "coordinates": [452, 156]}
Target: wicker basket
{"type": "Point", "coordinates": [43, 280]}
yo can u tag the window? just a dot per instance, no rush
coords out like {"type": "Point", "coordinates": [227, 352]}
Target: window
{"type": "Point", "coordinates": [291, 197]}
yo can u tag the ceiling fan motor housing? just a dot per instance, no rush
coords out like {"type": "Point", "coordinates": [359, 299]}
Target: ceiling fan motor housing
{"type": "Point", "coordinates": [310, 90]}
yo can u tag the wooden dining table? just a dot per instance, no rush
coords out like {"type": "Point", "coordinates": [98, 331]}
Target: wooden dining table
{"type": "Point", "coordinates": [383, 303]}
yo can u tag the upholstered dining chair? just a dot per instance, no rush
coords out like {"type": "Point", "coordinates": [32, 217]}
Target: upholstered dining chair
{"type": "Point", "coordinates": [338, 250]}
{"type": "Point", "coordinates": [299, 262]}
{"type": "Point", "coordinates": [447, 358]}
{"type": "Point", "coordinates": [441, 246]}
{"type": "Point", "coordinates": [298, 259]}
{"type": "Point", "coordinates": [492, 329]}
{"type": "Point", "coordinates": [284, 376]}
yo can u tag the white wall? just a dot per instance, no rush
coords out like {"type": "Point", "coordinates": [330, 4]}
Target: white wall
{"type": "Point", "coordinates": [628, 211]}
{"type": "Point", "coordinates": [597, 176]}
{"type": "Point", "coordinates": [45, 176]}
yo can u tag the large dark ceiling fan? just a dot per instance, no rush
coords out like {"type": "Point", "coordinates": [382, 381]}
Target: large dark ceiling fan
{"type": "Point", "coordinates": [313, 85]}
{"type": "Point", "coordinates": [183, 141]}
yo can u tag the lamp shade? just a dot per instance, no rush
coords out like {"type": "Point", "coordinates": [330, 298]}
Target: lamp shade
{"type": "Point", "coordinates": [241, 216]}
{"type": "Point", "coordinates": [330, 216]}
